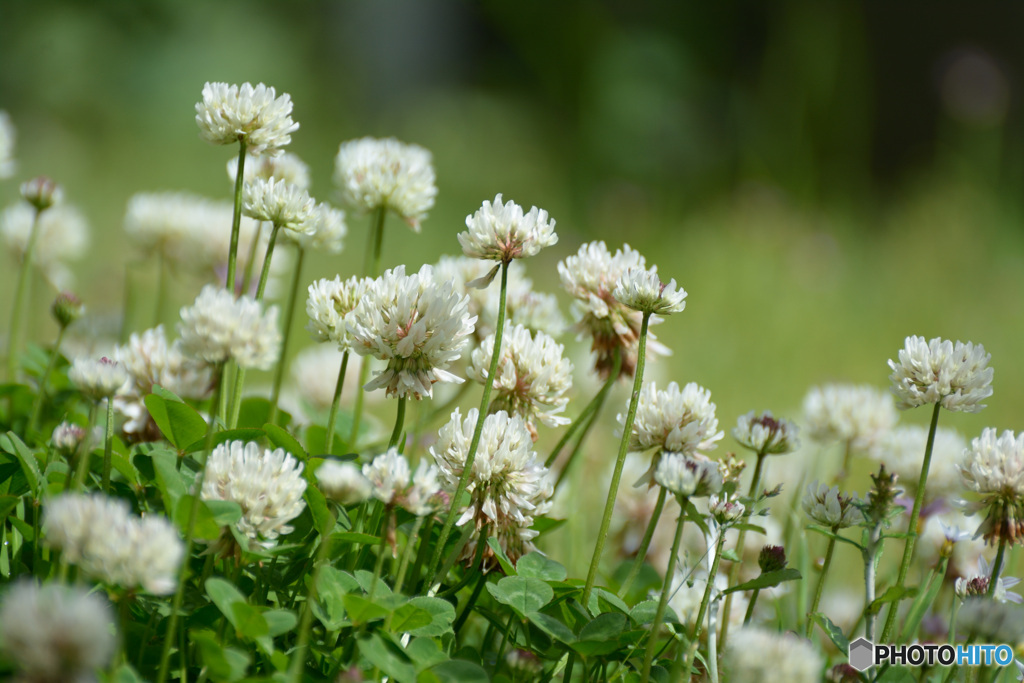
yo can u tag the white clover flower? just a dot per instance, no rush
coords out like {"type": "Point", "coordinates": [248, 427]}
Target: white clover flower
{"type": "Point", "coordinates": [276, 201]}
{"type": "Point", "coordinates": [286, 166]}
{"type": "Point", "coordinates": [979, 585]}
{"type": "Point", "coordinates": [388, 474]}
{"type": "Point", "coordinates": [327, 230]}
{"type": "Point", "coordinates": [508, 486]}
{"type": "Point", "coordinates": [532, 377]}
{"type": "Point", "coordinates": [7, 136]}
{"type": "Point", "coordinates": [343, 482]}
{"type": "Point", "coordinates": [97, 378]}
{"type": "Point", "coordinates": [229, 113]}
{"type": "Point", "coordinates": [939, 371]}
{"type": "Point", "coordinates": [56, 633]}
{"type": "Point", "coordinates": [42, 192]}
{"type": "Point", "coordinates": [268, 485]}
{"type": "Point", "coordinates": [63, 236]}
{"type": "Point", "coordinates": [386, 174]}
{"type": "Point", "coordinates": [415, 324]}
{"type": "Point", "coordinates": [218, 327]}
{"type": "Point", "coordinates": [66, 437]}
{"type": "Point", "coordinates": [591, 276]}
{"type": "Point", "coordinates": [828, 507]}
{"type": "Point", "coordinates": [725, 509]}
{"type": "Point", "coordinates": [757, 655]}
{"type": "Point", "coordinates": [902, 451]}
{"type": "Point", "coordinates": [766, 434]}
{"type": "Point", "coordinates": [150, 361]}
{"type": "Point", "coordinates": [109, 543]}
{"type": "Point", "coordinates": [676, 420]}
{"type": "Point", "coordinates": [642, 290]}
{"type": "Point", "coordinates": [994, 468]}
{"type": "Point", "coordinates": [174, 224]}
{"type": "Point", "coordinates": [857, 416]}
{"type": "Point", "coordinates": [329, 304]}
{"type": "Point", "coordinates": [498, 232]}
{"type": "Point", "coordinates": [688, 476]}
{"type": "Point", "coordinates": [424, 495]}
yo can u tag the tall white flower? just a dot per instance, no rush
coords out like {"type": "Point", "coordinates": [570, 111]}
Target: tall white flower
{"type": "Point", "coordinates": [106, 541]}
{"type": "Point", "coordinates": [343, 482]}
{"type": "Point", "coordinates": [286, 166]}
{"type": "Point", "coordinates": [7, 137]}
{"type": "Point", "coordinates": [939, 371]}
{"type": "Point", "coordinates": [394, 483]}
{"type": "Point", "coordinates": [386, 174]}
{"type": "Point", "coordinates": [532, 377]}
{"type": "Point", "coordinates": [994, 469]}
{"type": "Point", "coordinates": [218, 327]}
{"type": "Point", "coordinates": [591, 276]}
{"type": "Point", "coordinates": [279, 202]}
{"type": "Point", "coordinates": [642, 290]}
{"type": "Point", "coordinates": [329, 304]}
{"type": "Point", "coordinates": [688, 476]}
{"type": "Point", "coordinates": [498, 232]}
{"type": "Point", "coordinates": [766, 434]}
{"type": "Point", "coordinates": [902, 449]}
{"type": "Point", "coordinates": [756, 655]}
{"type": "Point", "coordinates": [268, 485]}
{"type": "Point", "coordinates": [150, 361]}
{"type": "Point", "coordinates": [508, 486]}
{"type": "Point", "coordinates": [229, 113]}
{"type": "Point", "coordinates": [56, 633]}
{"type": "Point", "coordinates": [327, 230]}
{"type": "Point", "coordinates": [675, 420]}
{"type": "Point", "coordinates": [857, 416]}
{"type": "Point", "coordinates": [63, 237]}
{"type": "Point", "coordinates": [415, 324]}
{"type": "Point", "coordinates": [828, 507]}
{"type": "Point", "coordinates": [97, 378]}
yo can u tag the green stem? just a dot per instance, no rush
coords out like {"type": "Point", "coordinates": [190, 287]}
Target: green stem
{"type": "Point", "coordinates": [236, 219]}
{"type": "Point", "coordinates": [107, 445]}
{"type": "Point", "coordinates": [870, 554]}
{"type": "Point", "coordinates": [289, 317]}
{"type": "Point", "coordinates": [750, 607]}
{"type": "Point", "coordinates": [250, 263]}
{"type": "Point", "coordinates": [396, 434]}
{"type": "Point", "coordinates": [357, 410]}
{"type": "Point", "coordinates": [421, 554]}
{"type": "Point", "coordinates": [306, 620]}
{"type": "Point", "coordinates": [372, 263]}
{"type": "Point", "coordinates": [37, 405]}
{"type": "Point", "coordinates": [699, 623]}
{"type": "Point", "coordinates": [481, 580]}
{"type": "Point", "coordinates": [641, 553]}
{"type": "Point", "coordinates": [85, 451]}
{"type": "Point", "coordinates": [996, 566]}
{"type": "Point", "coordinates": [407, 554]}
{"type": "Point", "coordinates": [161, 289]}
{"type": "Point", "coordinates": [332, 419]}
{"type": "Point", "coordinates": [379, 565]}
{"type": "Point", "coordinates": [588, 415]}
{"type": "Point", "coordinates": [190, 528]}
{"type": "Point", "coordinates": [627, 430]}
{"type": "Point", "coordinates": [485, 401]}
{"type": "Point", "coordinates": [20, 295]}
{"type": "Point", "coordinates": [908, 549]}
{"type": "Point", "coordinates": [734, 570]}
{"type": "Point", "coordinates": [666, 589]}
{"type": "Point", "coordinates": [821, 583]}
{"type": "Point", "coordinates": [591, 420]}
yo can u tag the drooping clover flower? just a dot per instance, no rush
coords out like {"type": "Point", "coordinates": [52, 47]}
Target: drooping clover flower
{"type": "Point", "coordinates": [66, 309]}
{"type": "Point", "coordinates": [508, 486]}
{"type": "Point", "coordinates": [388, 174]}
{"type": "Point", "coordinates": [417, 325]}
{"type": "Point", "coordinates": [279, 202]}
{"type": "Point", "coordinates": [502, 232]}
{"type": "Point", "coordinates": [267, 485]}
{"type": "Point", "coordinates": [7, 136]}
{"type": "Point", "coordinates": [642, 290]}
{"type": "Point", "coordinates": [828, 507]}
{"type": "Point", "coordinates": [766, 434]}
{"type": "Point", "coordinates": [327, 230]}
{"type": "Point", "coordinates": [329, 304]}
{"type": "Point", "coordinates": [394, 483]}
{"type": "Point", "coordinates": [63, 236]}
{"type": "Point", "coordinates": [218, 327]}
{"type": "Point", "coordinates": [856, 416]}
{"type": "Point", "coordinates": [150, 361]}
{"type": "Point", "coordinates": [901, 451]}
{"type": "Point", "coordinates": [343, 482]}
{"type": "Point", "coordinates": [531, 379]}
{"type": "Point", "coordinates": [56, 633]}
{"type": "Point", "coordinates": [255, 114]}
{"type": "Point", "coordinates": [591, 276]}
{"type": "Point", "coordinates": [106, 541]}
{"type": "Point", "coordinates": [939, 371]}
{"type": "Point", "coordinates": [66, 437]}
{"type": "Point", "coordinates": [97, 378]}
{"type": "Point", "coordinates": [978, 586]}
{"type": "Point", "coordinates": [688, 476]}
{"type": "Point", "coordinates": [286, 166]}
{"type": "Point", "coordinates": [758, 655]}
{"type": "Point", "coordinates": [994, 469]}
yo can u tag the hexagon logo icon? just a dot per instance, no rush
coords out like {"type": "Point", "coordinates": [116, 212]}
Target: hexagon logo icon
{"type": "Point", "coordinates": [862, 654]}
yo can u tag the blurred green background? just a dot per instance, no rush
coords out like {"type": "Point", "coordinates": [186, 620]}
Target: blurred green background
{"type": "Point", "coordinates": [823, 178]}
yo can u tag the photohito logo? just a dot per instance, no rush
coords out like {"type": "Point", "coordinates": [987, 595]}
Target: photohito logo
{"type": "Point", "coordinates": [864, 654]}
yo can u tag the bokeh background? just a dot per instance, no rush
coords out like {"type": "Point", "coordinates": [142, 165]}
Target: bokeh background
{"type": "Point", "coordinates": [824, 179]}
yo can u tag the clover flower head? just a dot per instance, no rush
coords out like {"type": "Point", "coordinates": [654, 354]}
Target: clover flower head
{"type": "Point", "coordinates": [386, 174]}
{"type": "Point", "coordinates": [327, 230]}
{"type": "Point", "coordinates": [42, 192]}
{"type": "Point", "coordinates": [858, 416]}
{"type": "Point", "coordinates": [828, 507]}
{"type": "Point", "coordinates": [388, 474]}
{"type": "Point", "coordinates": [66, 437]}
{"type": "Point", "coordinates": [676, 420]}
{"type": "Point", "coordinates": [642, 290]}
{"type": "Point", "coordinates": [502, 232]}
{"type": "Point", "coordinates": [344, 482]}
{"type": "Point", "coordinates": [218, 327]}
{"type": "Point", "coordinates": [939, 371]}
{"type": "Point", "coordinates": [766, 434]}
{"type": "Point", "coordinates": [281, 203]}
{"type": "Point", "coordinates": [994, 468]}
{"type": "Point", "coordinates": [175, 225]}
{"type": "Point", "coordinates": [688, 476]}
{"type": "Point", "coordinates": [285, 166]}
{"type": "Point", "coordinates": [255, 114]}
{"type": "Point", "coordinates": [97, 378]}
{"type": "Point", "coordinates": [329, 304]}
{"type": "Point", "coordinates": [757, 654]}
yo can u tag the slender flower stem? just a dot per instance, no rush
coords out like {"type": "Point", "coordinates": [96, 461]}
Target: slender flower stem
{"type": "Point", "coordinates": [588, 415]}
{"type": "Point", "coordinates": [37, 405]}
{"type": "Point", "coordinates": [161, 289]}
{"type": "Point", "coordinates": [190, 527]}
{"type": "Point", "coordinates": [84, 452]}
{"type": "Point", "coordinates": [485, 401]}
{"type": "Point", "coordinates": [627, 430]}
{"type": "Point", "coordinates": [997, 565]}
{"type": "Point", "coordinates": [380, 555]}
{"type": "Point", "coordinates": [289, 317]}
{"type": "Point", "coordinates": [750, 607]}
{"type": "Point", "coordinates": [333, 417]}
{"type": "Point", "coordinates": [407, 554]}
{"type": "Point", "coordinates": [306, 620]}
{"type": "Point", "coordinates": [666, 589]}
{"type": "Point", "coordinates": [641, 553]}
{"type": "Point", "coordinates": [396, 434]}
{"type": "Point", "coordinates": [108, 440]}
{"type": "Point", "coordinates": [698, 624]}
{"type": "Point", "coordinates": [908, 549]}
{"type": "Point", "coordinates": [250, 263]}
{"type": "Point", "coordinates": [20, 296]}
{"type": "Point", "coordinates": [734, 570]}
{"type": "Point", "coordinates": [821, 582]}
{"type": "Point", "coordinates": [870, 553]}
{"type": "Point", "coordinates": [236, 219]}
